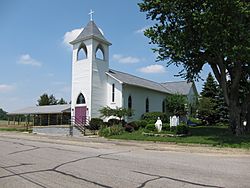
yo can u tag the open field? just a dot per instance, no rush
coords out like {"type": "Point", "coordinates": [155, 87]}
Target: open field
{"type": "Point", "coordinates": [5, 127]}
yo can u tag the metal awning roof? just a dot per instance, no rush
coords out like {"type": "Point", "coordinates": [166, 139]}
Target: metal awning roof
{"type": "Point", "coordinates": [50, 109]}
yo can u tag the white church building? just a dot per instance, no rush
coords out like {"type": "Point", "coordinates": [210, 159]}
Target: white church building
{"type": "Point", "coordinates": [95, 85]}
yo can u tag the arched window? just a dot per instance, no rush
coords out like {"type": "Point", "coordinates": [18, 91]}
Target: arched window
{"type": "Point", "coordinates": [147, 105]}
{"type": "Point", "coordinates": [113, 92]}
{"type": "Point", "coordinates": [82, 52]}
{"type": "Point", "coordinates": [130, 105]}
{"type": "Point", "coordinates": [80, 99]}
{"type": "Point", "coordinates": [99, 54]}
{"type": "Point", "coordinates": [163, 106]}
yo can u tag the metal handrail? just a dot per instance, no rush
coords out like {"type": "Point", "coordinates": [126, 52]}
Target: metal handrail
{"type": "Point", "coordinates": [80, 124]}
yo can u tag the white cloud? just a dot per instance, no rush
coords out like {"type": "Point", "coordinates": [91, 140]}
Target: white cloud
{"type": "Point", "coordinates": [70, 36]}
{"type": "Point", "coordinates": [153, 69]}
{"type": "Point", "coordinates": [126, 59]}
{"type": "Point", "coordinates": [26, 59]}
{"type": "Point", "coordinates": [141, 31]}
{"type": "Point", "coordinates": [6, 88]}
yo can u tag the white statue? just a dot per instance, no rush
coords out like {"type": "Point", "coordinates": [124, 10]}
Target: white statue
{"type": "Point", "coordinates": [158, 124]}
{"type": "Point", "coordinates": [174, 121]}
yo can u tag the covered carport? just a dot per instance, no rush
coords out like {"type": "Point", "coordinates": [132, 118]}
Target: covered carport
{"type": "Point", "coordinates": [41, 115]}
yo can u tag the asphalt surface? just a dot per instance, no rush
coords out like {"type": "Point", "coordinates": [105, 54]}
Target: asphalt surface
{"type": "Point", "coordinates": [51, 161]}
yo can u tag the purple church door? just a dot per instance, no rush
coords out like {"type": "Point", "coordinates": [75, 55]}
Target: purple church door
{"type": "Point", "coordinates": [80, 114]}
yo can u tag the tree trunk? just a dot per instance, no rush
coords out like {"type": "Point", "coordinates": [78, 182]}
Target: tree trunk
{"type": "Point", "coordinates": [236, 125]}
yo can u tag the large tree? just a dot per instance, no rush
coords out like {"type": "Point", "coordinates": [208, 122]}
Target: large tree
{"type": "Point", "coordinates": [47, 100]}
{"type": "Point", "coordinates": [175, 104]}
{"type": "Point", "coordinates": [62, 101]}
{"type": "Point", "coordinates": [3, 114]}
{"type": "Point", "coordinates": [210, 88]}
{"type": "Point", "coordinates": [195, 33]}
{"type": "Point", "coordinates": [209, 101]}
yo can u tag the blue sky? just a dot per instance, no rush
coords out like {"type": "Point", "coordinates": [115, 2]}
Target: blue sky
{"type": "Point", "coordinates": [36, 57]}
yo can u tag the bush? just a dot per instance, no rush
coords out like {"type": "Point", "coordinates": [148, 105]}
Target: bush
{"type": "Point", "coordinates": [141, 123]}
{"type": "Point", "coordinates": [166, 127]}
{"type": "Point", "coordinates": [129, 128]}
{"type": "Point", "coordinates": [173, 129]}
{"type": "Point", "coordinates": [182, 129]}
{"type": "Point", "coordinates": [134, 124]}
{"type": "Point", "coordinates": [113, 130]}
{"type": "Point", "coordinates": [151, 127]}
{"type": "Point", "coordinates": [154, 115]}
{"type": "Point", "coordinates": [195, 120]}
{"type": "Point", "coordinates": [104, 132]}
{"type": "Point", "coordinates": [151, 121]}
{"type": "Point", "coordinates": [113, 122]}
{"type": "Point", "coordinates": [95, 123]}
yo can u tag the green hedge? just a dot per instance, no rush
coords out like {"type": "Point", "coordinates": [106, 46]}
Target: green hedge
{"type": "Point", "coordinates": [153, 116]}
{"type": "Point", "coordinates": [150, 127]}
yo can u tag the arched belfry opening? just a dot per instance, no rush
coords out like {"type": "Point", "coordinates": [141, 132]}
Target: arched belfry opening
{"type": "Point", "coordinates": [99, 53]}
{"type": "Point", "coordinates": [82, 52]}
{"type": "Point", "coordinates": [80, 99]}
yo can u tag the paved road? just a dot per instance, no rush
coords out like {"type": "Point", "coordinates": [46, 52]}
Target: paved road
{"type": "Point", "coordinates": [40, 161]}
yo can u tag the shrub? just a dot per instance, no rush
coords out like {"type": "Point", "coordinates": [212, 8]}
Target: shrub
{"type": "Point", "coordinates": [173, 129]}
{"type": "Point", "coordinates": [134, 125]}
{"type": "Point", "coordinates": [113, 122]}
{"type": "Point", "coordinates": [182, 129]}
{"type": "Point", "coordinates": [195, 120]}
{"type": "Point", "coordinates": [116, 129]}
{"type": "Point", "coordinates": [113, 130]}
{"type": "Point", "coordinates": [151, 127]}
{"type": "Point", "coordinates": [151, 121]}
{"type": "Point", "coordinates": [154, 115]}
{"type": "Point", "coordinates": [95, 123]}
{"type": "Point", "coordinates": [141, 123]}
{"type": "Point", "coordinates": [166, 127]}
{"type": "Point", "coordinates": [104, 132]}
{"type": "Point", "coordinates": [129, 128]}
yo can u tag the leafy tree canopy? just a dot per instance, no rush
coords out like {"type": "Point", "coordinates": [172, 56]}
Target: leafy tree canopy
{"type": "Point", "coordinates": [210, 87]}
{"type": "Point", "coordinates": [3, 114]}
{"type": "Point", "coordinates": [175, 104]}
{"type": "Point", "coordinates": [118, 112]}
{"type": "Point", "coordinates": [45, 99]}
{"type": "Point", "coordinates": [195, 33]}
{"type": "Point", "coordinates": [61, 101]}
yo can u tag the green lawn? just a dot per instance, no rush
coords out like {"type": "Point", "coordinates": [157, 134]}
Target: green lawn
{"type": "Point", "coordinates": [209, 135]}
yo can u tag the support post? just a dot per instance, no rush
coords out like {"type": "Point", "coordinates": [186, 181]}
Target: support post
{"type": "Point", "coordinates": [14, 119]}
{"type": "Point", "coordinates": [18, 120]}
{"type": "Point", "coordinates": [34, 116]}
{"type": "Point", "coordinates": [48, 119]}
{"type": "Point", "coordinates": [8, 120]}
{"type": "Point", "coordinates": [56, 119]}
{"type": "Point", "coordinates": [61, 118]}
{"type": "Point", "coordinates": [40, 120]}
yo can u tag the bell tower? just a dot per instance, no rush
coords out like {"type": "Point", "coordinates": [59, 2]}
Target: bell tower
{"type": "Point", "coordinates": [90, 62]}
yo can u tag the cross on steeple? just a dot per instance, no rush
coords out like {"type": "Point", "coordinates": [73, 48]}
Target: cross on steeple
{"type": "Point", "coordinates": [91, 15]}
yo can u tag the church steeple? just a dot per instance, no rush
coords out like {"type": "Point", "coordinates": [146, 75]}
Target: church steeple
{"type": "Point", "coordinates": [91, 31]}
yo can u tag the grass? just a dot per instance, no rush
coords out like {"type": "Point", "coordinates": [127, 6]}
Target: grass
{"type": "Point", "coordinates": [208, 135]}
{"type": "Point", "coordinates": [5, 127]}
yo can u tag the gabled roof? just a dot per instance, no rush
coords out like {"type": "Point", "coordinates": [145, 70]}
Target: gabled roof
{"type": "Point", "coordinates": [181, 87]}
{"type": "Point", "coordinates": [50, 109]}
{"type": "Point", "coordinates": [137, 81]}
{"type": "Point", "coordinates": [91, 30]}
